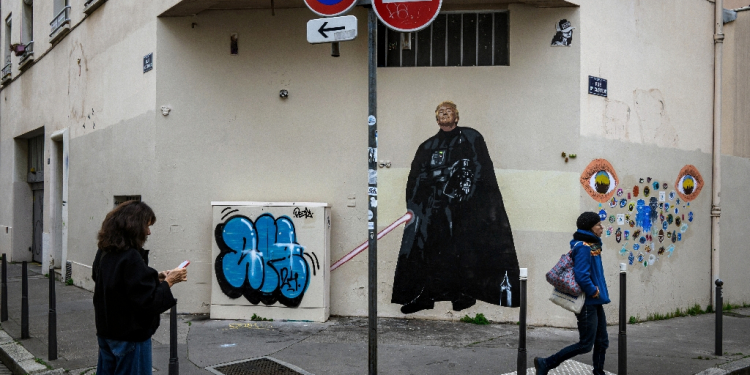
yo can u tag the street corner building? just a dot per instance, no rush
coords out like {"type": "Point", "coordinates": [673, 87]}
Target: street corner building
{"type": "Point", "coordinates": [251, 145]}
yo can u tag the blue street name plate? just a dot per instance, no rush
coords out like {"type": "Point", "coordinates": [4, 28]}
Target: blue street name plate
{"type": "Point", "coordinates": [597, 86]}
{"type": "Point", "coordinates": [148, 62]}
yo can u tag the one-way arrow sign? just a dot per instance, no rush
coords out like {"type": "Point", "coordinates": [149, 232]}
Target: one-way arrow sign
{"type": "Point", "coordinates": [322, 30]}
{"type": "Point", "coordinates": [333, 29]}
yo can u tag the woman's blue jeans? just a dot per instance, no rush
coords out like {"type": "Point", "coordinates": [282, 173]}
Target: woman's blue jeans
{"type": "Point", "coordinates": [123, 357]}
{"type": "Point", "coordinates": [592, 333]}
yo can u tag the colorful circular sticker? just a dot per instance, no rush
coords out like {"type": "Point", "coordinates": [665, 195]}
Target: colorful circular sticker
{"type": "Point", "coordinates": [635, 191]}
{"type": "Point", "coordinates": [690, 216]}
{"type": "Point", "coordinates": [656, 185]}
{"type": "Point", "coordinates": [646, 191]}
{"type": "Point", "coordinates": [602, 215]}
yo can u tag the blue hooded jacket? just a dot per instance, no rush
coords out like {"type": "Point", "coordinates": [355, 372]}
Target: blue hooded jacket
{"type": "Point", "coordinates": [587, 265]}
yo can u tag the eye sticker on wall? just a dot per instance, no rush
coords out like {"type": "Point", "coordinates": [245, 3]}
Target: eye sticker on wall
{"type": "Point", "coordinates": [599, 180]}
{"type": "Point", "coordinates": [689, 183]}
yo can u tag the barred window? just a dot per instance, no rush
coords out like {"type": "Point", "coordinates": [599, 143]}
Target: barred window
{"type": "Point", "coordinates": [453, 39]}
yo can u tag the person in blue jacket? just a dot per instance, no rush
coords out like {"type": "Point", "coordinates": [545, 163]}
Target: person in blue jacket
{"type": "Point", "coordinates": [592, 324]}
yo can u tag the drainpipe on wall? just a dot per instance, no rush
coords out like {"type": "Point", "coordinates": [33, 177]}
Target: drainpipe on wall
{"type": "Point", "coordinates": [716, 167]}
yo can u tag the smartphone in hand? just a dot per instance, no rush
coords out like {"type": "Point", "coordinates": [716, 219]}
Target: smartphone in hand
{"type": "Point", "coordinates": [184, 264]}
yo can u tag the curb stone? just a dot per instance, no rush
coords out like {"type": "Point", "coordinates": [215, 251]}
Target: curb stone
{"type": "Point", "coordinates": [19, 360]}
{"type": "Point", "coordinates": [739, 367]}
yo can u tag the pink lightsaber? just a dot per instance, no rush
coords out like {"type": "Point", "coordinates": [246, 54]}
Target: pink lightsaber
{"type": "Point", "coordinates": [366, 244]}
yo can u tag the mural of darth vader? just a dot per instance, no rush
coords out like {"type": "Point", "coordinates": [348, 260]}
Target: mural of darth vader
{"type": "Point", "coordinates": [458, 246]}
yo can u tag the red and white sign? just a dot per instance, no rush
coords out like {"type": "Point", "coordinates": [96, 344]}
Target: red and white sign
{"type": "Point", "coordinates": [407, 15]}
{"type": "Point", "coordinates": [330, 8]}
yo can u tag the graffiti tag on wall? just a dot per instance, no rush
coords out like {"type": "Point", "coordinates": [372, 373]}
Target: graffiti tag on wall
{"type": "Point", "coordinates": [262, 260]}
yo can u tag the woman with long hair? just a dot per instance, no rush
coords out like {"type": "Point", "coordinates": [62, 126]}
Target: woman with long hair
{"type": "Point", "coordinates": [129, 295]}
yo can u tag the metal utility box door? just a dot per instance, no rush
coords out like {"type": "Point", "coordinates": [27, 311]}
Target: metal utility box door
{"type": "Point", "coordinates": [270, 260]}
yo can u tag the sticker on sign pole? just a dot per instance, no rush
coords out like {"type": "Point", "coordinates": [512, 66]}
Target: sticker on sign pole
{"type": "Point", "coordinates": [330, 8]}
{"type": "Point", "coordinates": [407, 15]}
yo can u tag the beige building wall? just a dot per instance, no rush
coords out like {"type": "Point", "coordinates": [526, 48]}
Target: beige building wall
{"type": "Point", "coordinates": [230, 137]}
{"type": "Point", "coordinates": [91, 80]}
{"type": "Point", "coordinates": [735, 163]}
{"type": "Point", "coordinates": [656, 119]}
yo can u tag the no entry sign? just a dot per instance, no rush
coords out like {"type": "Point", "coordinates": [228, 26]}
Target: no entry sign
{"type": "Point", "coordinates": [329, 8]}
{"type": "Point", "coordinates": [407, 15]}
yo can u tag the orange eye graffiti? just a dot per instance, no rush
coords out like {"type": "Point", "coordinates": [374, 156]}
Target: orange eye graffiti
{"type": "Point", "coordinates": [689, 183]}
{"type": "Point", "coordinates": [599, 180]}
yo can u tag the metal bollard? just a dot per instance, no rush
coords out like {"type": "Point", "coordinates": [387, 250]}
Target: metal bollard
{"type": "Point", "coordinates": [521, 364]}
{"type": "Point", "coordinates": [719, 306]}
{"type": "Point", "coordinates": [52, 323]}
{"type": "Point", "coordinates": [4, 298]}
{"type": "Point", "coordinates": [24, 301]}
{"type": "Point", "coordinates": [622, 339]}
{"type": "Point", "coordinates": [174, 362]}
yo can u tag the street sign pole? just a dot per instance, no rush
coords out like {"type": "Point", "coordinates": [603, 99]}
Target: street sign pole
{"type": "Point", "coordinates": [372, 191]}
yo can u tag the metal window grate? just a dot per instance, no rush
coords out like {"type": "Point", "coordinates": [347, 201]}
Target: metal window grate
{"type": "Point", "coordinates": [452, 39]}
{"type": "Point", "coordinates": [262, 366]}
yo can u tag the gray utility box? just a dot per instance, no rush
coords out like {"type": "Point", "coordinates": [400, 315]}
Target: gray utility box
{"type": "Point", "coordinates": [271, 259]}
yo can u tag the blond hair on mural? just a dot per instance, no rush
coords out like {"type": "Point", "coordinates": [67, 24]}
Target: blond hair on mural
{"type": "Point", "coordinates": [448, 104]}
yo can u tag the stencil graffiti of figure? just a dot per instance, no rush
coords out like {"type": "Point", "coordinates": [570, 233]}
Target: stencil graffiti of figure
{"type": "Point", "coordinates": [459, 246]}
{"type": "Point", "coordinates": [564, 35]}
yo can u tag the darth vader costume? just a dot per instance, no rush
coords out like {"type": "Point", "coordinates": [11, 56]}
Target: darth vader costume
{"type": "Point", "coordinates": [458, 247]}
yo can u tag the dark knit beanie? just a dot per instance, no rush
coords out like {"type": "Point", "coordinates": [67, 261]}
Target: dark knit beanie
{"type": "Point", "coordinates": [587, 220]}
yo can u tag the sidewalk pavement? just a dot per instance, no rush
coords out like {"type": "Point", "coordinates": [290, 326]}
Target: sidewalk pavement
{"type": "Point", "coordinates": [339, 346]}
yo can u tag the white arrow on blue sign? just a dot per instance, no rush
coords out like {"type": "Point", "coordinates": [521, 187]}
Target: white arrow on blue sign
{"type": "Point", "coordinates": [332, 29]}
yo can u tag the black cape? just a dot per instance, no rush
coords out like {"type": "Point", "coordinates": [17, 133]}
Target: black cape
{"type": "Point", "coordinates": [459, 244]}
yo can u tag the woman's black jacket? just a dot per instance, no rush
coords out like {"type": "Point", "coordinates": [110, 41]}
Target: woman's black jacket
{"type": "Point", "coordinates": [128, 296]}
